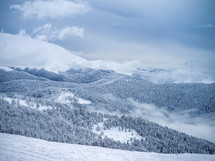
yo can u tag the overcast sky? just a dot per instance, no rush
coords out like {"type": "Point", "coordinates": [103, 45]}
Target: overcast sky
{"type": "Point", "coordinates": [156, 33]}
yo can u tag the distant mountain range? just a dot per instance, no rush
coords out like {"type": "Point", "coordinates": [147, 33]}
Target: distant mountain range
{"type": "Point", "coordinates": [96, 85]}
{"type": "Point", "coordinates": [23, 51]}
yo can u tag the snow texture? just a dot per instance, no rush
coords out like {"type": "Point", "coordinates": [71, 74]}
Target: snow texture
{"type": "Point", "coordinates": [65, 97]}
{"type": "Point", "coordinates": [14, 147]}
{"type": "Point", "coordinates": [30, 104]}
{"type": "Point", "coordinates": [116, 134]}
{"type": "Point", "coordinates": [68, 98]}
{"type": "Point", "coordinates": [83, 101]}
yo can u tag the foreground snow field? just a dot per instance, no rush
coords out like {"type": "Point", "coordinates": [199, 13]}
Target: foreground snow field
{"type": "Point", "coordinates": [14, 147]}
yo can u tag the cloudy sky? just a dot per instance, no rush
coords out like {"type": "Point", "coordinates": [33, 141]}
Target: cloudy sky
{"type": "Point", "coordinates": [155, 33]}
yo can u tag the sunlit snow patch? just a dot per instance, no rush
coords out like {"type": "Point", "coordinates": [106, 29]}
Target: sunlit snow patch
{"type": "Point", "coordinates": [117, 134]}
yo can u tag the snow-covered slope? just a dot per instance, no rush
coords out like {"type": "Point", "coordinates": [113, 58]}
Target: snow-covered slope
{"type": "Point", "coordinates": [17, 102]}
{"type": "Point", "coordinates": [14, 147]}
{"type": "Point", "coordinates": [23, 51]}
{"type": "Point", "coordinates": [19, 50]}
{"type": "Point", "coordinates": [7, 69]}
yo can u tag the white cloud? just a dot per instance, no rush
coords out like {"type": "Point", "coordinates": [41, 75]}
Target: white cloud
{"type": "Point", "coordinates": [177, 75]}
{"type": "Point", "coordinates": [22, 33]}
{"type": "Point", "coordinates": [45, 28]}
{"type": "Point", "coordinates": [182, 121]}
{"type": "Point", "coordinates": [49, 33]}
{"type": "Point", "coordinates": [187, 63]}
{"type": "Point", "coordinates": [51, 9]}
{"type": "Point", "coordinates": [43, 33]}
{"type": "Point", "coordinates": [71, 31]}
{"type": "Point", "coordinates": [207, 26]}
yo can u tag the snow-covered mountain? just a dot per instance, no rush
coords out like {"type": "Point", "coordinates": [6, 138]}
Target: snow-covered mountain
{"type": "Point", "coordinates": [23, 51]}
{"type": "Point", "coordinates": [47, 92]}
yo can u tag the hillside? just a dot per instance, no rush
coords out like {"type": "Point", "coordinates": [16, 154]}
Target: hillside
{"type": "Point", "coordinates": [107, 80]}
{"type": "Point", "coordinates": [101, 108]}
{"type": "Point", "coordinates": [103, 83]}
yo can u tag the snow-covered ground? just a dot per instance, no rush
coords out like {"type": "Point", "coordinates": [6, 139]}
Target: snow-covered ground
{"type": "Point", "coordinates": [83, 101]}
{"type": "Point", "coordinates": [116, 134]}
{"type": "Point", "coordinates": [15, 147]}
{"type": "Point", "coordinates": [65, 97]}
{"type": "Point", "coordinates": [30, 104]}
{"type": "Point", "coordinates": [68, 98]}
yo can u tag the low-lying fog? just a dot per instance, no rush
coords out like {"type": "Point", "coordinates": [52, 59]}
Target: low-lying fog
{"type": "Point", "coordinates": [183, 121]}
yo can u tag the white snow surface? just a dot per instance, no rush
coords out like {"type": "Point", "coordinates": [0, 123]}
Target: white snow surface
{"type": "Point", "coordinates": [17, 50]}
{"type": "Point", "coordinates": [30, 104]}
{"type": "Point", "coordinates": [116, 134]}
{"type": "Point", "coordinates": [68, 97]}
{"type": "Point", "coordinates": [83, 101]}
{"type": "Point", "coordinates": [15, 147]}
{"type": "Point", "coordinates": [6, 68]}
{"type": "Point", "coordinates": [65, 97]}
{"type": "Point", "coordinates": [16, 101]}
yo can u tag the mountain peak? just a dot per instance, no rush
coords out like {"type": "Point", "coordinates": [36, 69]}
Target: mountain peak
{"type": "Point", "coordinates": [24, 51]}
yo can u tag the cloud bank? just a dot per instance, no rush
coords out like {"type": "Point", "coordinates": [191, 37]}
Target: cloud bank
{"type": "Point", "coordinates": [207, 26]}
{"type": "Point", "coordinates": [51, 9]}
{"type": "Point", "coordinates": [176, 75]}
{"type": "Point", "coordinates": [182, 121]}
{"type": "Point", "coordinates": [48, 33]}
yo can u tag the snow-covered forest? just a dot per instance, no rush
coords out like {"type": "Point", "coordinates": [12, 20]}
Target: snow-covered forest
{"type": "Point", "coordinates": [107, 80]}
{"type": "Point", "coordinates": [97, 109]}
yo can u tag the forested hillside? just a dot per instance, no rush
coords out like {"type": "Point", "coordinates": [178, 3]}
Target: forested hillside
{"type": "Point", "coordinates": [65, 108]}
